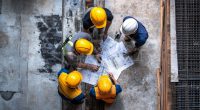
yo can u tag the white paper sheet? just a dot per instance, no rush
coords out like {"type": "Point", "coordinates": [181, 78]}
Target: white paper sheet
{"type": "Point", "coordinates": [113, 61]}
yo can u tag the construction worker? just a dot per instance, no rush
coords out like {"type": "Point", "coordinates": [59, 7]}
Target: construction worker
{"type": "Point", "coordinates": [107, 89]}
{"type": "Point", "coordinates": [96, 22]}
{"type": "Point", "coordinates": [97, 17]}
{"type": "Point", "coordinates": [68, 86]}
{"type": "Point", "coordinates": [77, 48]}
{"type": "Point", "coordinates": [132, 29]}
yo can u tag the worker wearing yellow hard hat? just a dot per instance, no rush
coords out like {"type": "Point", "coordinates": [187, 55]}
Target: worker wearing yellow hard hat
{"type": "Point", "coordinates": [76, 50]}
{"type": "Point", "coordinates": [97, 17]}
{"type": "Point", "coordinates": [96, 22]}
{"type": "Point", "coordinates": [68, 86]}
{"type": "Point", "coordinates": [83, 46]}
{"type": "Point", "coordinates": [106, 89]}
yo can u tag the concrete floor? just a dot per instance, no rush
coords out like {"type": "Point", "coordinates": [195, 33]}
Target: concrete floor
{"type": "Point", "coordinates": [139, 81]}
{"type": "Point", "coordinates": [21, 57]}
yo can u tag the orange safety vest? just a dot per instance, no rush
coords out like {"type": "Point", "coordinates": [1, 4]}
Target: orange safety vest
{"type": "Point", "coordinates": [108, 98]}
{"type": "Point", "coordinates": [69, 93]}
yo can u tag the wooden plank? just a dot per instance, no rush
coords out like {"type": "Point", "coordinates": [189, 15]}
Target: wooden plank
{"type": "Point", "coordinates": [160, 99]}
{"type": "Point", "coordinates": [168, 52]}
{"type": "Point", "coordinates": [165, 101]}
{"type": "Point", "coordinates": [158, 88]}
{"type": "Point", "coordinates": [161, 20]}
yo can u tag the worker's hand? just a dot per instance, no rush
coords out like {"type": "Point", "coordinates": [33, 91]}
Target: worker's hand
{"type": "Point", "coordinates": [129, 53]}
{"type": "Point", "coordinates": [112, 78]}
{"type": "Point", "coordinates": [111, 75]}
{"type": "Point", "coordinates": [93, 67]}
{"type": "Point", "coordinates": [98, 57]}
{"type": "Point", "coordinates": [117, 35]}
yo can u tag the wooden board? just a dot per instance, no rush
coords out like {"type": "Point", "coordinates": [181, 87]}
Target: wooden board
{"type": "Point", "coordinates": [158, 88]}
{"type": "Point", "coordinates": [165, 99]}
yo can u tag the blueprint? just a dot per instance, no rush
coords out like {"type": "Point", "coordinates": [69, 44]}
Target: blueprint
{"type": "Point", "coordinates": [113, 61]}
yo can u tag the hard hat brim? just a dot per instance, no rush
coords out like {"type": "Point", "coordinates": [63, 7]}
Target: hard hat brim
{"type": "Point", "coordinates": [91, 50]}
{"type": "Point", "coordinates": [121, 30]}
{"type": "Point", "coordinates": [127, 34]}
{"type": "Point", "coordinates": [101, 26]}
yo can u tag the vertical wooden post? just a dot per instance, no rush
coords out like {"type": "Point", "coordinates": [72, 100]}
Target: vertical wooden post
{"type": "Point", "coordinates": [165, 100]}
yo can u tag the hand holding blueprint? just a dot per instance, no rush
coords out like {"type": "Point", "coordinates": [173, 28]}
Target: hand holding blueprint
{"type": "Point", "coordinates": [113, 61]}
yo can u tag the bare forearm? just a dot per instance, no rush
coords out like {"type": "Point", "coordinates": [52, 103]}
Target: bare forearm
{"type": "Point", "coordinates": [83, 65]}
{"type": "Point", "coordinates": [88, 66]}
{"type": "Point", "coordinates": [114, 81]}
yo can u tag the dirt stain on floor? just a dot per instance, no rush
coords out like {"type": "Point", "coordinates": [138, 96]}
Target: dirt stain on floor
{"type": "Point", "coordinates": [3, 40]}
{"type": "Point", "coordinates": [50, 35]}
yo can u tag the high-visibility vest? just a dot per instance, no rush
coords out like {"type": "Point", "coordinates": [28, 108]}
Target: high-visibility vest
{"type": "Point", "coordinates": [69, 93]}
{"type": "Point", "coordinates": [67, 42]}
{"type": "Point", "coordinates": [108, 98]}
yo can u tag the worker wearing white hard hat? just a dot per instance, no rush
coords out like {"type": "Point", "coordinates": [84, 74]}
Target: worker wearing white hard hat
{"type": "Point", "coordinates": [132, 29]}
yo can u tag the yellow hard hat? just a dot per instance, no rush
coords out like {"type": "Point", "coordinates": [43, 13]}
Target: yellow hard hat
{"type": "Point", "coordinates": [84, 46]}
{"type": "Point", "coordinates": [98, 17]}
{"type": "Point", "coordinates": [104, 84]}
{"type": "Point", "coordinates": [74, 79]}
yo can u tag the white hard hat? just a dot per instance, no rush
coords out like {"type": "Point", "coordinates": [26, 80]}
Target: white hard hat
{"type": "Point", "coordinates": [129, 26]}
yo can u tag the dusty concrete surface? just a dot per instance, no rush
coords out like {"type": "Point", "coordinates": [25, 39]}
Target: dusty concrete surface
{"type": "Point", "coordinates": [139, 81]}
{"type": "Point", "coordinates": [24, 87]}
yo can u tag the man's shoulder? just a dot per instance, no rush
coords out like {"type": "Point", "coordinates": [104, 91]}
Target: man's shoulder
{"type": "Point", "coordinates": [141, 28]}
{"type": "Point", "coordinates": [81, 34]}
